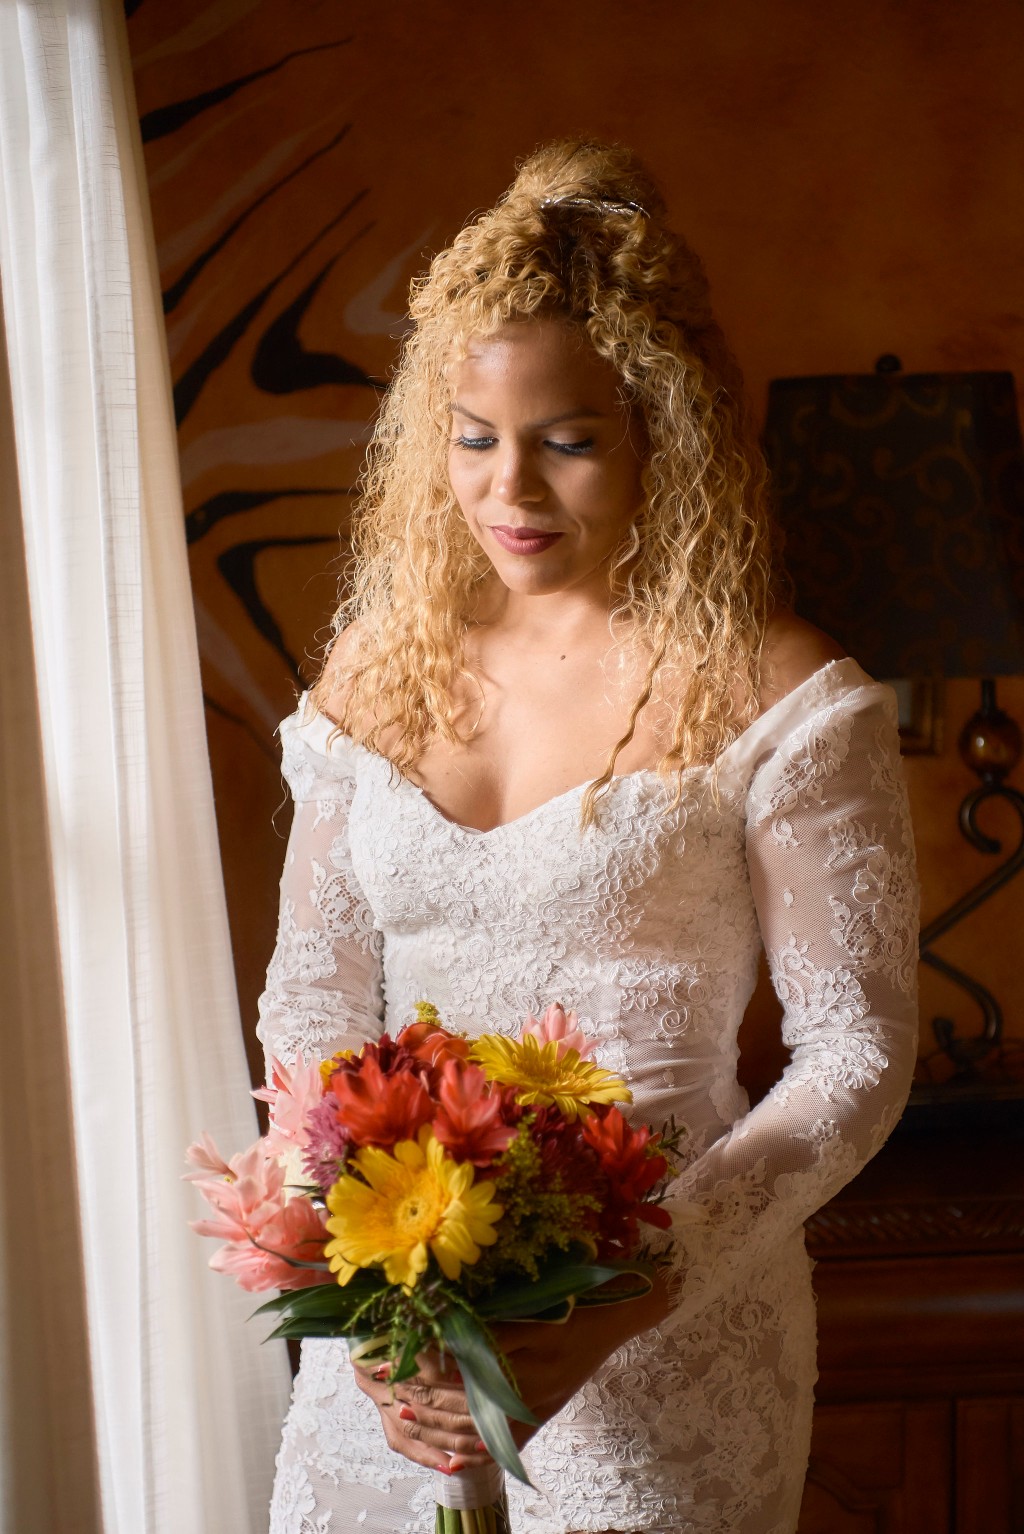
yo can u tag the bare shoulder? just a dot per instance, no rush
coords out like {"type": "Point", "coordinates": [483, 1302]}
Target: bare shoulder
{"type": "Point", "coordinates": [342, 661]}
{"type": "Point", "coordinates": [793, 651]}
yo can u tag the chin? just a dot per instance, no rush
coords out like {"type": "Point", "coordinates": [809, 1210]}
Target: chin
{"type": "Point", "coordinates": [533, 582]}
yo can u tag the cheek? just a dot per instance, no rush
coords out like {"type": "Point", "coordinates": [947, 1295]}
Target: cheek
{"type": "Point", "coordinates": [465, 480]}
{"type": "Point", "coordinates": [619, 499]}
{"type": "Point", "coordinates": [457, 476]}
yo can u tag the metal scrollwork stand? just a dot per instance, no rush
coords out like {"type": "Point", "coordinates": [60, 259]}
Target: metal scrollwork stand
{"type": "Point", "coordinates": [990, 744]}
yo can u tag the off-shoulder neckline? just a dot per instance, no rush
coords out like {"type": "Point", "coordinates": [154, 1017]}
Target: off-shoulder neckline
{"type": "Point", "coordinates": [828, 682]}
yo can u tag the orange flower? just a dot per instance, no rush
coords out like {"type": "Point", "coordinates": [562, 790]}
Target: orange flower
{"type": "Point", "coordinates": [469, 1123]}
{"type": "Point", "coordinates": [427, 1042]}
{"type": "Point", "coordinates": [379, 1109]}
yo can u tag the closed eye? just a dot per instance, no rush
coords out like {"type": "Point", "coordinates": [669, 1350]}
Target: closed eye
{"type": "Point", "coordinates": [572, 448]}
{"type": "Point", "coordinates": [473, 442]}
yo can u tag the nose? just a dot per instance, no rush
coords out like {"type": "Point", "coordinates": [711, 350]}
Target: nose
{"type": "Point", "coordinates": [517, 481]}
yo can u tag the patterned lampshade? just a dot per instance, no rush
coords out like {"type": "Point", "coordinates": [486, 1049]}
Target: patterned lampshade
{"type": "Point", "coordinates": [902, 500]}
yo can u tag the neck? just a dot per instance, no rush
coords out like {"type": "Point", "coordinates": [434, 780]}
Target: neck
{"type": "Point", "coordinates": [555, 618]}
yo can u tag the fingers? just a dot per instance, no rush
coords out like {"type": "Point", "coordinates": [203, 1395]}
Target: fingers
{"type": "Point", "coordinates": [430, 1427]}
{"type": "Point", "coordinates": [414, 1449]}
{"type": "Point", "coordinates": [449, 1435]}
{"type": "Point", "coordinates": [432, 1371]}
{"type": "Point", "coordinates": [435, 1399]}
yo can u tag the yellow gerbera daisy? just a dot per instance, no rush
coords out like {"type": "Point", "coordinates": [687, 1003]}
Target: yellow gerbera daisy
{"type": "Point", "coordinates": [541, 1076]}
{"type": "Point", "coordinates": [412, 1203]}
{"type": "Point", "coordinates": [328, 1067]}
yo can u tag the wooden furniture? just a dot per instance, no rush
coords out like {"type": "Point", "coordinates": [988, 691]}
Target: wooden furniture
{"type": "Point", "coordinates": [919, 1422]}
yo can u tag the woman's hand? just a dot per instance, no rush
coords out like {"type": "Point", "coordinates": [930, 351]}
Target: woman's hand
{"type": "Point", "coordinates": [552, 1362]}
{"type": "Point", "coordinates": [426, 1418]}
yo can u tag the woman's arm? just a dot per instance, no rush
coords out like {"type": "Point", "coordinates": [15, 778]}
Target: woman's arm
{"type": "Point", "coordinates": [324, 983]}
{"type": "Point", "coordinates": [831, 860]}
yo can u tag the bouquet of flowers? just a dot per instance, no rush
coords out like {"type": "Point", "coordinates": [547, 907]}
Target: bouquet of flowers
{"type": "Point", "coordinates": [414, 1193]}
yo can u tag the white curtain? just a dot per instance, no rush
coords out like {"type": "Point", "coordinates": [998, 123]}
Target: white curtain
{"type": "Point", "coordinates": [185, 1403]}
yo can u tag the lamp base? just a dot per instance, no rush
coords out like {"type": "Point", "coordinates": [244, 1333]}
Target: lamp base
{"type": "Point", "coordinates": [990, 741]}
{"type": "Point", "coordinates": [990, 745]}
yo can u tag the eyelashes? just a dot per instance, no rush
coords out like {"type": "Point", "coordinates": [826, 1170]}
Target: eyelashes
{"type": "Point", "coordinates": [566, 449]}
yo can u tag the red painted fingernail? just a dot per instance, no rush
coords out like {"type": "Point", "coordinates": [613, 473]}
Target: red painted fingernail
{"type": "Point", "coordinates": [383, 1372]}
{"type": "Point", "coordinates": [445, 1469]}
{"type": "Point", "coordinates": [407, 1414]}
{"type": "Point", "coordinates": [456, 1464]}
{"type": "Point", "coordinates": [481, 1447]}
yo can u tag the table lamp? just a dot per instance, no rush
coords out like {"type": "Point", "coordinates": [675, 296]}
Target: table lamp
{"type": "Point", "coordinates": [902, 501]}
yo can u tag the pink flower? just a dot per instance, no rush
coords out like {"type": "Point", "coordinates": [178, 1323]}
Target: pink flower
{"type": "Point", "coordinates": [250, 1193]}
{"type": "Point", "coordinates": [469, 1121]}
{"type": "Point", "coordinates": [559, 1027]}
{"type": "Point", "coordinates": [251, 1204]}
{"type": "Point", "coordinates": [328, 1146]}
{"type": "Point", "coordinates": [293, 1094]}
{"type": "Point", "coordinates": [296, 1231]}
{"type": "Point", "coordinates": [206, 1158]}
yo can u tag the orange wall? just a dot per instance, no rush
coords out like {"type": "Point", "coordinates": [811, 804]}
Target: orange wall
{"type": "Point", "coordinates": [851, 175]}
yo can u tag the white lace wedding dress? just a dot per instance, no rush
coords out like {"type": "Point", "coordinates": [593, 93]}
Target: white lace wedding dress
{"type": "Point", "coordinates": [650, 925]}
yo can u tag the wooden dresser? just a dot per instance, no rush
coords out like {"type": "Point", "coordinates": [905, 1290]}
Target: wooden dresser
{"type": "Point", "coordinates": [919, 1426]}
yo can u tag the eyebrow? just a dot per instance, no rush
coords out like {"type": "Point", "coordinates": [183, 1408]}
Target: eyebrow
{"type": "Point", "coordinates": [584, 414]}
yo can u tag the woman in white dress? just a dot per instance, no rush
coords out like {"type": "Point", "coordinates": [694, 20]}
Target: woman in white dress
{"type": "Point", "coordinates": [564, 750]}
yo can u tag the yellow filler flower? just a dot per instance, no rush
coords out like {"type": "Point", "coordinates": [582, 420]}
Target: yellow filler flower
{"type": "Point", "coordinates": [412, 1203]}
{"type": "Point", "coordinates": [540, 1076]}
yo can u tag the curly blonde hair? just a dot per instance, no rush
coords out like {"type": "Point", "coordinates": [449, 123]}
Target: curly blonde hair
{"type": "Point", "coordinates": [580, 236]}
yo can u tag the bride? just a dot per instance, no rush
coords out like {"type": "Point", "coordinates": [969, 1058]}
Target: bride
{"type": "Point", "coordinates": [564, 749]}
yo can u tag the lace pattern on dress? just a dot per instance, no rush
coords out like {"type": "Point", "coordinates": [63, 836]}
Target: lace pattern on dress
{"type": "Point", "coordinates": [650, 925]}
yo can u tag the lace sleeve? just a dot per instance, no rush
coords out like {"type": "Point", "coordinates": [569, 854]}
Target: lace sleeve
{"type": "Point", "coordinates": [324, 989]}
{"type": "Point", "coordinates": [831, 861]}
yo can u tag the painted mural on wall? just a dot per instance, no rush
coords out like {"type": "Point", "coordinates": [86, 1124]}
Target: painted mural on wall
{"type": "Point", "coordinates": [304, 158]}
{"type": "Point", "coordinates": [278, 339]}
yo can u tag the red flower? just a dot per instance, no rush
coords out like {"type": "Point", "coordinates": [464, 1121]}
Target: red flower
{"type": "Point", "coordinates": [627, 1155]}
{"type": "Point", "coordinates": [378, 1108]}
{"type": "Point", "coordinates": [564, 1154]}
{"type": "Point", "coordinates": [632, 1167]}
{"type": "Point", "coordinates": [469, 1123]}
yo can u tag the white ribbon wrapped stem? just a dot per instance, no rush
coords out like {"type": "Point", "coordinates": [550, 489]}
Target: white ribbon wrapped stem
{"type": "Point", "coordinates": [469, 1489]}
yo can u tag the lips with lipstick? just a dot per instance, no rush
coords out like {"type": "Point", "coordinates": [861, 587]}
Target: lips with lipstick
{"type": "Point", "coordinates": [524, 540]}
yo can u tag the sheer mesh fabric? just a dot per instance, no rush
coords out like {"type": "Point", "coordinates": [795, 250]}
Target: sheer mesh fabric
{"type": "Point", "coordinates": [650, 925]}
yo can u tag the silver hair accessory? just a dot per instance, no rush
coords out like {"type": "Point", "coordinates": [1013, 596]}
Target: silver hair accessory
{"type": "Point", "coordinates": [609, 204]}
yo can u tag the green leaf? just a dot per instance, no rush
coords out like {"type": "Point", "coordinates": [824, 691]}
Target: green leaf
{"type": "Point", "coordinates": [405, 1365]}
{"type": "Point", "coordinates": [526, 1298]}
{"type": "Point", "coordinates": [466, 1339]}
{"type": "Point", "coordinates": [489, 1396]}
{"type": "Point", "coordinates": [320, 1302]}
{"type": "Point", "coordinates": [492, 1425]}
{"type": "Point", "coordinates": [601, 1296]}
{"type": "Point", "coordinates": [308, 1328]}
{"type": "Point", "coordinates": [279, 1302]}
{"type": "Point", "coordinates": [328, 1298]}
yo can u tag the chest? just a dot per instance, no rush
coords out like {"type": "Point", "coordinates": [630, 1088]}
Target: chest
{"type": "Point", "coordinates": [652, 872]}
{"type": "Point", "coordinates": [537, 725]}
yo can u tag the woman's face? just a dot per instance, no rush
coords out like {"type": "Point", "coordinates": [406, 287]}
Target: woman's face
{"type": "Point", "coordinates": [545, 458]}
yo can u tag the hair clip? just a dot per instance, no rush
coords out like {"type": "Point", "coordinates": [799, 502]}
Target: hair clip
{"type": "Point", "coordinates": [609, 204]}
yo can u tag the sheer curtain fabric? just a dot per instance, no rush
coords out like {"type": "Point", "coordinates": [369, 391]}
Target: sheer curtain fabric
{"type": "Point", "coordinates": [186, 1403]}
